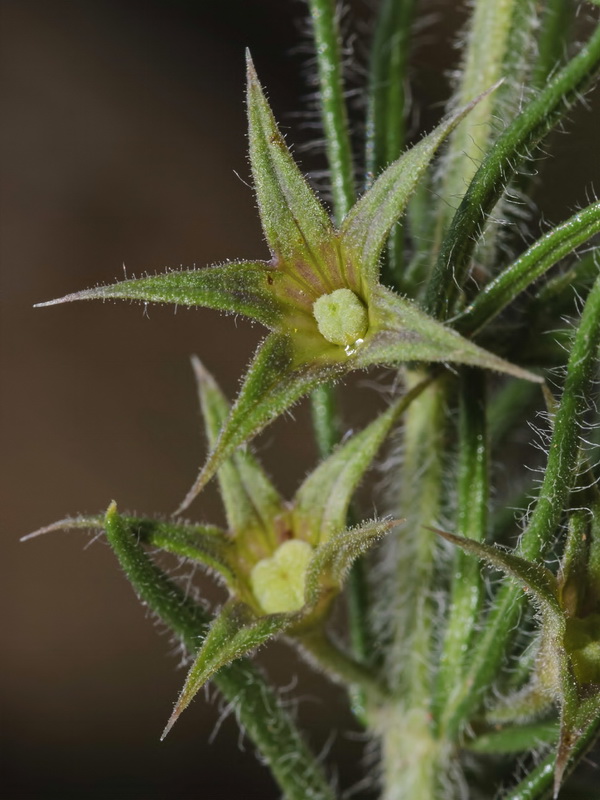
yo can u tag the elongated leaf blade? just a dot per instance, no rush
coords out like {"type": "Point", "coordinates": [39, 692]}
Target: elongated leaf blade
{"type": "Point", "coordinates": [368, 224]}
{"type": "Point", "coordinates": [273, 383]}
{"type": "Point", "coordinates": [522, 136]}
{"type": "Point", "coordinates": [535, 578]}
{"type": "Point", "coordinates": [537, 259]}
{"type": "Point", "coordinates": [236, 631]}
{"type": "Point", "coordinates": [405, 333]}
{"type": "Point", "coordinates": [250, 499]}
{"type": "Point", "coordinates": [245, 287]}
{"type": "Point", "coordinates": [296, 226]}
{"type": "Point", "coordinates": [514, 738]}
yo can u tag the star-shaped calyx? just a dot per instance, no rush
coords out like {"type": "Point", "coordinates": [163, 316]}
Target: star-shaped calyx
{"type": "Point", "coordinates": [319, 293]}
{"type": "Point", "coordinates": [283, 562]}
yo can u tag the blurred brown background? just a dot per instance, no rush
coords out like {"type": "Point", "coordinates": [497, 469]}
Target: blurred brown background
{"type": "Point", "coordinates": [122, 129]}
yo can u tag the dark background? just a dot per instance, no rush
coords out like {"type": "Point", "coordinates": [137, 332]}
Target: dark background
{"type": "Point", "coordinates": [123, 128]}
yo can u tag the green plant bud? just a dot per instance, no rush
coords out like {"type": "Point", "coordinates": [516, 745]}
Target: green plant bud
{"type": "Point", "coordinates": [582, 641]}
{"type": "Point", "coordinates": [278, 583]}
{"type": "Point", "coordinates": [341, 317]}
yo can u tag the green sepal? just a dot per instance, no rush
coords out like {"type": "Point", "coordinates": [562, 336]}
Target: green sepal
{"type": "Point", "coordinates": [206, 544]}
{"type": "Point", "coordinates": [236, 631]}
{"type": "Point", "coordinates": [295, 224]}
{"type": "Point", "coordinates": [537, 581]}
{"type": "Point", "coordinates": [150, 584]}
{"type": "Point", "coordinates": [368, 224]}
{"type": "Point", "coordinates": [68, 524]}
{"type": "Point", "coordinates": [250, 499]}
{"type": "Point", "coordinates": [244, 287]}
{"type": "Point", "coordinates": [331, 562]}
{"type": "Point", "coordinates": [274, 382]}
{"type": "Point", "coordinates": [322, 502]}
{"type": "Point", "coordinates": [403, 332]}
{"type": "Point", "coordinates": [514, 738]}
{"type": "Point", "coordinates": [572, 576]}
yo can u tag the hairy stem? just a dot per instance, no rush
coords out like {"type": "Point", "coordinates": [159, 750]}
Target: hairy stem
{"type": "Point", "coordinates": [559, 479]}
{"type": "Point", "coordinates": [473, 500]}
{"type": "Point", "coordinates": [333, 108]}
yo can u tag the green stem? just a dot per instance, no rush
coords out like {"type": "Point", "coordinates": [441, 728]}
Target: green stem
{"type": "Point", "coordinates": [487, 41]}
{"type": "Point", "coordinates": [473, 499]}
{"type": "Point", "coordinates": [538, 118]}
{"type": "Point", "coordinates": [339, 156]}
{"type": "Point", "coordinates": [341, 667]}
{"type": "Point", "coordinates": [257, 706]}
{"type": "Point", "coordinates": [324, 419]}
{"type": "Point", "coordinates": [556, 22]}
{"type": "Point", "coordinates": [386, 127]}
{"type": "Point", "coordinates": [559, 479]}
{"type": "Point", "coordinates": [420, 503]}
{"type": "Point", "coordinates": [538, 259]}
{"type": "Point", "coordinates": [333, 108]}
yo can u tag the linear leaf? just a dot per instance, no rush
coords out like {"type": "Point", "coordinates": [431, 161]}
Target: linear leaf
{"type": "Point", "coordinates": [235, 632]}
{"type": "Point", "coordinates": [514, 738]}
{"type": "Point", "coordinates": [539, 258]}
{"type": "Point", "coordinates": [526, 131]}
{"type": "Point", "coordinates": [535, 578]}
{"type": "Point", "coordinates": [245, 287]}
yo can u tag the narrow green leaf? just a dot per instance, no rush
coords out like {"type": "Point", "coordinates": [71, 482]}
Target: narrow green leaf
{"type": "Point", "coordinates": [539, 258]}
{"type": "Point", "coordinates": [322, 502]}
{"type": "Point", "coordinates": [526, 131]}
{"type": "Point", "coordinates": [272, 384]}
{"type": "Point", "coordinates": [368, 224]}
{"type": "Point", "coordinates": [328, 50]}
{"type": "Point", "coordinates": [332, 560]}
{"type": "Point", "coordinates": [294, 221]}
{"type": "Point", "coordinates": [245, 287]}
{"type": "Point", "coordinates": [387, 75]}
{"type": "Point", "coordinates": [386, 112]}
{"type": "Point", "coordinates": [234, 632]}
{"type": "Point", "coordinates": [557, 18]}
{"type": "Point", "coordinates": [250, 499]}
{"type": "Point", "coordinates": [405, 333]}
{"type": "Point", "coordinates": [514, 738]}
{"type": "Point", "coordinates": [466, 591]}
{"type": "Point", "coordinates": [537, 581]}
